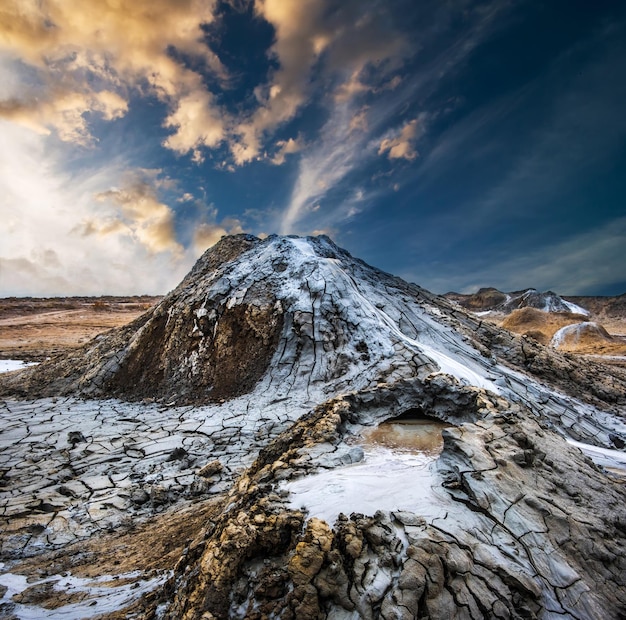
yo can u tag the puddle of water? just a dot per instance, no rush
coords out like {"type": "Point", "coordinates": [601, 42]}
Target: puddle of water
{"type": "Point", "coordinates": [412, 436]}
{"type": "Point", "coordinates": [396, 474]}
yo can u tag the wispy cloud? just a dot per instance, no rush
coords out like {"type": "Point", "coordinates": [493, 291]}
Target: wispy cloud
{"type": "Point", "coordinates": [539, 167]}
{"type": "Point", "coordinates": [355, 133]}
{"type": "Point", "coordinates": [338, 151]}
{"type": "Point", "coordinates": [312, 38]}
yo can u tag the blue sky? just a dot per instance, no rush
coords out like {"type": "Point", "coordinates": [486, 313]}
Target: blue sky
{"type": "Point", "coordinates": [457, 144]}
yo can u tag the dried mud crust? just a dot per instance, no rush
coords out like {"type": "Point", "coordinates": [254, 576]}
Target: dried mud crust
{"type": "Point", "coordinates": [134, 553]}
{"type": "Point", "coordinates": [227, 364]}
{"type": "Point", "coordinates": [534, 528]}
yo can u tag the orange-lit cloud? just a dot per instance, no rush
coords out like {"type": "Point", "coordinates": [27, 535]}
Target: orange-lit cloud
{"type": "Point", "coordinates": [88, 54]}
{"type": "Point", "coordinates": [64, 111]}
{"type": "Point", "coordinates": [137, 211]}
{"type": "Point", "coordinates": [402, 146]}
{"type": "Point", "coordinates": [87, 57]}
{"type": "Point", "coordinates": [286, 147]}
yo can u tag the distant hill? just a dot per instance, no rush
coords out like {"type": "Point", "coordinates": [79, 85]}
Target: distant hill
{"type": "Point", "coordinates": [493, 300]}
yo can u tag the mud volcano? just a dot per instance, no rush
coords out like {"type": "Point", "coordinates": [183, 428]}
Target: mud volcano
{"type": "Point", "coordinates": [288, 359]}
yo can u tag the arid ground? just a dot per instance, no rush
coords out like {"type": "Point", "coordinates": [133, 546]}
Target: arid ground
{"type": "Point", "coordinates": [35, 328]}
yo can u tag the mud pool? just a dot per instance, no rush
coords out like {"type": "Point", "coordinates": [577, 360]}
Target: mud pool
{"type": "Point", "coordinates": [396, 474]}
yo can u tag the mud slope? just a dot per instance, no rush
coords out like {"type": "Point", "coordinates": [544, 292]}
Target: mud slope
{"type": "Point", "coordinates": [296, 314]}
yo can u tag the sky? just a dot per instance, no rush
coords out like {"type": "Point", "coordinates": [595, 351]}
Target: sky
{"type": "Point", "coordinates": [457, 144]}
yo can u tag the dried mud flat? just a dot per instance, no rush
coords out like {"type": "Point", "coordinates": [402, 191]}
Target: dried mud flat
{"type": "Point", "coordinates": [35, 328]}
{"type": "Point", "coordinates": [99, 499]}
{"type": "Point", "coordinates": [114, 569]}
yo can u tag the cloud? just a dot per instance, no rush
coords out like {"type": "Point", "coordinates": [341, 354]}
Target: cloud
{"type": "Point", "coordinates": [351, 88]}
{"type": "Point", "coordinates": [86, 56]}
{"type": "Point", "coordinates": [207, 234]}
{"type": "Point", "coordinates": [310, 37]}
{"type": "Point", "coordinates": [64, 112]}
{"type": "Point", "coordinates": [286, 147]}
{"type": "Point", "coordinates": [17, 273]}
{"type": "Point", "coordinates": [322, 168]}
{"type": "Point", "coordinates": [581, 263]}
{"type": "Point", "coordinates": [197, 124]}
{"type": "Point", "coordinates": [126, 246]}
{"type": "Point", "coordinates": [359, 120]}
{"type": "Point", "coordinates": [137, 212]}
{"type": "Point", "coordinates": [91, 57]}
{"type": "Point", "coordinates": [402, 146]}
{"type": "Point", "coordinates": [301, 36]}
{"type": "Point", "coordinates": [364, 63]}
{"type": "Point", "coordinates": [541, 170]}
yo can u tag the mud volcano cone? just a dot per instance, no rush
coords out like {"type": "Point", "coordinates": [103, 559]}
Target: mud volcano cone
{"type": "Point", "coordinates": [290, 315]}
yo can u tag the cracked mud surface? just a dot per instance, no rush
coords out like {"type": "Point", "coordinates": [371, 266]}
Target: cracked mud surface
{"type": "Point", "coordinates": [71, 469]}
{"type": "Point", "coordinates": [221, 425]}
{"type": "Point", "coordinates": [520, 538]}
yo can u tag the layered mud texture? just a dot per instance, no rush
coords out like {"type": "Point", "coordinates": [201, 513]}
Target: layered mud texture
{"type": "Point", "coordinates": [533, 530]}
{"type": "Point", "coordinates": [219, 350]}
